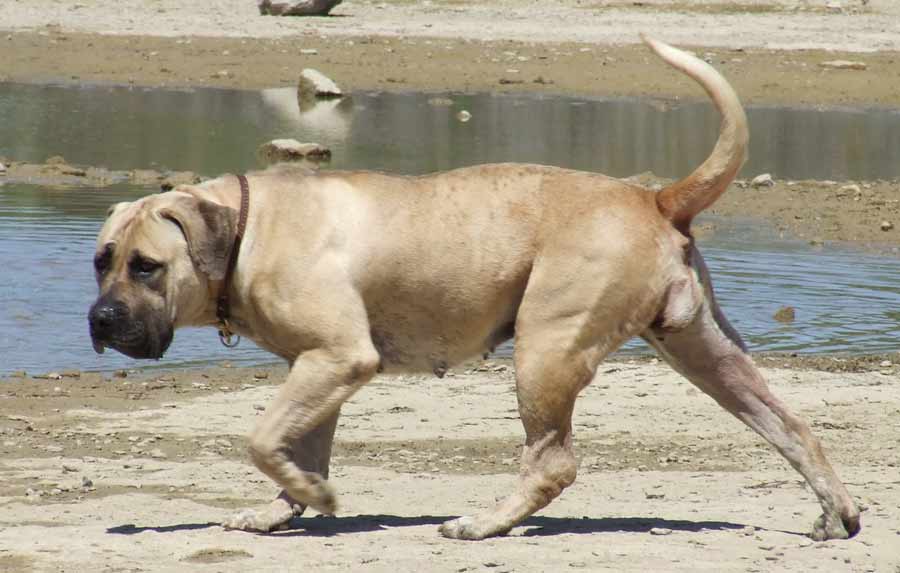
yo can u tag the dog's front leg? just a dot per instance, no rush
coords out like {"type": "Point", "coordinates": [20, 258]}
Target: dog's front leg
{"type": "Point", "coordinates": [309, 453]}
{"type": "Point", "coordinates": [292, 443]}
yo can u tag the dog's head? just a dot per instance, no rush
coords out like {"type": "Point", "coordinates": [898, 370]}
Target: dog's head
{"type": "Point", "coordinates": [155, 258]}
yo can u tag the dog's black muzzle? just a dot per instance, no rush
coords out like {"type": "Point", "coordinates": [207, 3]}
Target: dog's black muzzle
{"type": "Point", "coordinates": [113, 324]}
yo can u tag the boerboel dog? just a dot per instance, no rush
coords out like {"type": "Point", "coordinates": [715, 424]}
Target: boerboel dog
{"type": "Point", "coordinates": [344, 274]}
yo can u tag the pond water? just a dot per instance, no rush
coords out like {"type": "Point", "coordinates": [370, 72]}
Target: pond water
{"type": "Point", "coordinates": [845, 301]}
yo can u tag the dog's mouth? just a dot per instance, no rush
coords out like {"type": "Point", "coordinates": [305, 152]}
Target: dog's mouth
{"type": "Point", "coordinates": [144, 347]}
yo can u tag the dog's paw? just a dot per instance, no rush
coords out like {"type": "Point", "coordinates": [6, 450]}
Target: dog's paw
{"type": "Point", "coordinates": [264, 520]}
{"type": "Point", "coordinates": [469, 528]}
{"type": "Point", "coordinates": [833, 527]}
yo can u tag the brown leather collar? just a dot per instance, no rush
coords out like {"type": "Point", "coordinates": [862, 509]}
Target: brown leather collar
{"type": "Point", "coordinates": [223, 311]}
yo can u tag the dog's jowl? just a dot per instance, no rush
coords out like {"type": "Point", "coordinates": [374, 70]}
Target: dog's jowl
{"type": "Point", "coordinates": [344, 274]}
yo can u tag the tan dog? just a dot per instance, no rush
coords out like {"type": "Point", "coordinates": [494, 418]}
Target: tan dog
{"type": "Point", "coordinates": [345, 273]}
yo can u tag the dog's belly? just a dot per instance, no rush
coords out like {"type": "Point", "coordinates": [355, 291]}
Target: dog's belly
{"type": "Point", "coordinates": [420, 333]}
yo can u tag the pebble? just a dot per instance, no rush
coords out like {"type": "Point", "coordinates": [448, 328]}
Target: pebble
{"type": "Point", "coordinates": [844, 65]}
{"type": "Point", "coordinates": [315, 84]}
{"type": "Point", "coordinates": [851, 188]}
{"type": "Point", "coordinates": [309, 51]}
{"type": "Point", "coordinates": [764, 180]}
{"type": "Point", "coordinates": [886, 225]}
{"type": "Point", "coordinates": [464, 116]}
{"type": "Point", "coordinates": [69, 468]}
{"type": "Point", "coordinates": [86, 482]}
{"type": "Point", "coordinates": [785, 314]}
{"type": "Point", "coordinates": [158, 454]}
{"type": "Point", "coordinates": [2, 168]}
{"type": "Point", "coordinates": [660, 531]}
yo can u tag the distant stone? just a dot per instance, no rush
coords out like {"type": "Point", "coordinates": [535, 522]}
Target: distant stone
{"type": "Point", "coordinates": [844, 65]}
{"type": "Point", "coordinates": [764, 180]}
{"type": "Point", "coordinates": [292, 150]}
{"type": "Point", "coordinates": [785, 314]}
{"type": "Point", "coordinates": [177, 178]}
{"type": "Point", "coordinates": [304, 8]}
{"type": "Point", "coordinates": [315, 84]}
{"type": "Point", "coordinates": [440, 101]}
{"type": "Point", "coordinates": [886, 225]}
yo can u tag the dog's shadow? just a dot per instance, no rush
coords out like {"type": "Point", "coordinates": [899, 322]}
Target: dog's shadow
{"type": "Point", "coordinates": [322, 526]}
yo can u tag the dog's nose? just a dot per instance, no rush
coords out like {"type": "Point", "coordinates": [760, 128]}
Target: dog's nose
{"type": "Point", "coordinates": [104, 315]}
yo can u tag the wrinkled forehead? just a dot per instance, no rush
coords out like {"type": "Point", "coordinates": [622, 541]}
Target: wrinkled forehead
{"type": "Point", "coordinates": [137, 223]}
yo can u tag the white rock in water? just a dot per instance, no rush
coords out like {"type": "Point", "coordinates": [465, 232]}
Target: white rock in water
{"type": "Point", "coordinates": [764, 180]}
{"type": "Point", "coordinates": [292, 150]}
{"type": "Point", "coordinates": [314, 84]}
{"type": "Point", "coordinates": [844, 65]}
{"type": "Point", "coordinates": [464, 116]}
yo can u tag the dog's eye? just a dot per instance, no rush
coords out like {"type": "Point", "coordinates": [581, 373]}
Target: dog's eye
{"type": "Point", "coordinates": [101, 263]}
{"type": "Point", "coordinates": [144, 267]}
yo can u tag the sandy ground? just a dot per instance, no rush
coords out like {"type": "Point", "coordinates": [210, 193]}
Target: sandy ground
{"type": "Point", "coordinates": [104, 473]}
{"type": "Point", "coordinates": [140, 469]}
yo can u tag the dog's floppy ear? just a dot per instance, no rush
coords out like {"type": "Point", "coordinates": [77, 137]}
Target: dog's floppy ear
{"type": "Point", "coordinates": [209, 230]}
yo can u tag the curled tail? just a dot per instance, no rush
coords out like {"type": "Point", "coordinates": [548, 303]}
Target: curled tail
{"type": "Point", "coordinates": [681, 201]}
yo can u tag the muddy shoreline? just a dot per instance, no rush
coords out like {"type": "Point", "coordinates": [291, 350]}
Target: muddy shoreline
{"type": "Point", "coordinates": [387, 63]}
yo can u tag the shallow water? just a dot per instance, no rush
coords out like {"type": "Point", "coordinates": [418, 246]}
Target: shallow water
{"type": "Point", "coordinates": [845, 301]}
{"type": "Point", "coordinates": [212, 131]}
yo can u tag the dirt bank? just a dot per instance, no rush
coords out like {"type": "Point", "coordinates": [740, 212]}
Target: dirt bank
{"type": "Point", "coordinates": [140, 469]}
{"type": "Point", "coordinates": [772, 52]}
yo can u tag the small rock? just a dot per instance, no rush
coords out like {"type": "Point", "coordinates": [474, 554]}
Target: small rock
{"type": "Point", "coordinates": [785, 314]}
{"type": "Point", "coordinates": [158, 454]}
{"type": "Point", "coordinates": [121, 374]}
{"type": "Point", "coordinates": [764, 180]}
{"type": "Point", "coordinates": [309, 52]}
{"type": "Point", "coordinates": [886, 225]}
{"type": "Point", "coordinates": [86, 482]}
{"type": "Point", "coordinates": [261, 375]}
{"type": "Point", "coordinates": [49, 376]}
{"type": "Point", "coordinates": [292, 150]}
{"type": "Point", "coordinates": [851, 188]}
{"type": "Point", "coordinates": [660, 531]}
{"type": "Point", "coordinates": [886, 363]}
{"type": "Point", "coordinates": [843, 65]}
{"type": "Point", "coordinates": [2, 168]}
{"type": "Point", "coordinates": [69, 468]}
{"type": "Point", "coordinates": [314, 84]}
{"type": "Point", "coordinates": [223, 443]}
{"type": "Point", "coordinates": [463, 116]}
{"type": "Point", "coordinates": [259, 407]}
{"type": "Point", "coordinates": [440, 101]}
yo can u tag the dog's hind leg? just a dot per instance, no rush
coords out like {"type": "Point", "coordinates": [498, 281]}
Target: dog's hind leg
{"type": "Point", "coordinates": [310, 453]}
{"type": "Point", "coordinates": [563, 330]}
{"type": "Point", "coordinates": [712, 356]}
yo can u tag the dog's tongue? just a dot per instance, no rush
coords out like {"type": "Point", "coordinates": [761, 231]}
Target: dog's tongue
{"type": "Point", "coordinates": [98, 347]}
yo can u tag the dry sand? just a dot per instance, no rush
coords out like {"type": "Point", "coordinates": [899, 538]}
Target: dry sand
{"type": "Point", "coordinates": [109, 474]}
{"type": "Point", "coordinates": [166, 461]}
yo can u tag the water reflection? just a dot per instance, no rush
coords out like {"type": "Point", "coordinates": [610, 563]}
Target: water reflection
{"type": "Point", "coordinates": [214, 131]}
